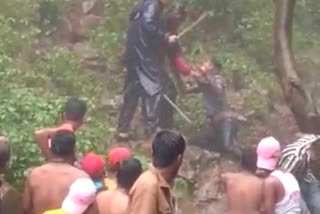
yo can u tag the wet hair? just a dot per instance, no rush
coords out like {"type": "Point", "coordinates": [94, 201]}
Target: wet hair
{"type": "Point", "coordinates": [128, 172]}
{"type": "Point", "coordinates": [166, 148]}
{"type": "Point", "coordinates": [75, 109]}
{"type": "Point", "coordinates": [4, 153]}
{"type": "Point", "coordinates": [63, 143]}
{"type": "Point", "coordinates": [249, 160]}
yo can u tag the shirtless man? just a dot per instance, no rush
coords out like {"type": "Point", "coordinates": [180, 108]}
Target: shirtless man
{"type": "Point", "coordinates": [9, 198]}
{"type": "Point", "coordinates": [117, 201]}
{"type": "Point", "coordinates": [48, 185]}
{"type": "Point", "coordinates": [244, 189]}
{"type": "Point", "coordinates": [73, 115]}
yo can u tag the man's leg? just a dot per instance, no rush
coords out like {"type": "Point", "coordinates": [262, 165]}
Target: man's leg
{"type": "Point", "coordinates": [128, 108]}
{"type": "Point", "coordinates": [166, 110]}
{"type": "Point", "coordinates": [227, 135]}
{"type": "Point", "coordinates": [311, 195]}
{"type": "Point", "coordinates": [150, 110]}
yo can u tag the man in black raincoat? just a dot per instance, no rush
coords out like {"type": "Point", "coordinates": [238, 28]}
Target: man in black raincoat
{"type": "Point", "coordinates": [148, 41]}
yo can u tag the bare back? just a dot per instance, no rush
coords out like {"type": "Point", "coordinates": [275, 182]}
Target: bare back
{"type": "Point", "coordinates": [112, 202]}
{"type": "Point", "coordinates": [244, 193]}
{"type": "Point", "coordinates": [48, 185]}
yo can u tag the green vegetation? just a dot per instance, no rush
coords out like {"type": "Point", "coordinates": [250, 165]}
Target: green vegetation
{"type": "Point", "coordinates": [37, 73]}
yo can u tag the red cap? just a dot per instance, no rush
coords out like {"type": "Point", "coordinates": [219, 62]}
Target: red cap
{"type": "Point", "coordinates": [118, 154]}
{"type": "Point", "coordinates": [93, 164]}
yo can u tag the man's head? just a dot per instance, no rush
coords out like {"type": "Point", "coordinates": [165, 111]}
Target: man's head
{"type": "Point", "coordinates": [128, 172]}
{"type": "Point", "coordinates": [82, 194]}
{"type": "Point", "coordinates": [210, 66]}
{"type": "Point", "coordinates": [268, 152]}
{"type": "Point", "coordinates": [175, 18]}
{"type": "Point", "coordinates": [74, 111]}
{"type": "Point", "coordinates": [4, 154]}
{"type": "Point", "coordinates": [93, 165]}
{"type": "Point", "coordinates": [63, 144]}
{"type": "Point", "coordinates": [116, 155]}
{"type": "Point", "coordinates": [315, 147]}
{"type": "Point", "coordinates": [249, 160]}
{"type": "Point", "coordinates": [167, 150]}
{"type": "Point", "coordinates": [165, 3]}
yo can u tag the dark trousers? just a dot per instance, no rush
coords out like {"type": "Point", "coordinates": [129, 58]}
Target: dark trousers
{"type": "Point", "coordinates": [166, 120]}
{"type": "Point", "coordinates": [311, 195]}
{"type": "Point", "coordinates": [220, 137]}
{"type": "Point", "coordinates": [150, 107]}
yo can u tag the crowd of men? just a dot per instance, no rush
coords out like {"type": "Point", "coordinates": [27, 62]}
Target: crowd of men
{"type": "Point", "coordinates": [272, 180]}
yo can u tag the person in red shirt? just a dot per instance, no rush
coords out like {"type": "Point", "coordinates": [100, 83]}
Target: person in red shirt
{"type": "Point", "coordinates": [73, 114]}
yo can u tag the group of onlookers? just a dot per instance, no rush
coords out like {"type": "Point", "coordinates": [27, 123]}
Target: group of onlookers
{"type": "Point", "coordinates": [276, 181]}
{"type": "Point", "coordinates": [273, 181]}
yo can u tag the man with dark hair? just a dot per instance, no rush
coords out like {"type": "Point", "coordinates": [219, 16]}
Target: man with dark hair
{"type": "Point", "coordinates": [244, 189]}
{"type": "Point", "coordinates": [48, 185]}
{"type": "Point", "coordinates": [144, 59]}
{"type": "Point", "coordinates": [117, 201]}
{"type": "Point", "coordinates": [73, 114]}
{"type": "Point", "coordinates": [10, 199]}
{"type": "Point", "coordinates": [152, 192]}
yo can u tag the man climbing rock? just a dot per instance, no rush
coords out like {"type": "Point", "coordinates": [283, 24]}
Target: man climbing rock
{"type": "Point", "coordinates": [145, 79]}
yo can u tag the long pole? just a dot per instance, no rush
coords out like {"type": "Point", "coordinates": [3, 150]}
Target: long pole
{"type": "Point", "coordinates": [177, 109]}
{"type": "Point", "coordinates": [195, 23]}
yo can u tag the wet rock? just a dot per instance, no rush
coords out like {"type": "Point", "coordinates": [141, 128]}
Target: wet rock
{"type": "Point", "coordinates": [196, 159]}
{"type": "Point", "coordinates": [111, 103]}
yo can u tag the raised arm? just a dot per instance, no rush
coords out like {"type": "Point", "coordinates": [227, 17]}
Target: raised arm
{"type": "Point", "coordinates": [41, 138]}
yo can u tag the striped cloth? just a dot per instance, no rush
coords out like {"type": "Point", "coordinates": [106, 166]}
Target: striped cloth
{"type": "Point", "coordinates": [295, 157]}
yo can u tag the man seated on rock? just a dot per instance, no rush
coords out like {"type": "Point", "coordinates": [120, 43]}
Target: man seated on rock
{"type": "Point", "coordinates": [220, 133]}
{"type": "Point", "coordinates": [48, 185]}
{"type": "Point", "coordinates": [152, 192]}
{"type": "Point", "coordinates": [10, 199]}
{"type": "Point", "coordinates": [116, 201]}
{"type": "Point", "coordinates": [244, 189]}
{"type": "Point", "coordinates": [73, 114]}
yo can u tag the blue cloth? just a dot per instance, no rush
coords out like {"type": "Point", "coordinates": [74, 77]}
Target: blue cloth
{"type": "Point", "coordinates": [311, 195]}
{"type": "Point", "coordinates": [99, 185]}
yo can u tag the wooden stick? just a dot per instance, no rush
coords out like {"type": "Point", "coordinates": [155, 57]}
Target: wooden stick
{"type": "Point", "coordinates": [195, 23]}
{"type": "Point", "coordinates": [177, 109]}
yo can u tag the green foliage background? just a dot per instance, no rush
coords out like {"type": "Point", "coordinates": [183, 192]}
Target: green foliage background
{"type": "Point", "coordinates": [35, 81]}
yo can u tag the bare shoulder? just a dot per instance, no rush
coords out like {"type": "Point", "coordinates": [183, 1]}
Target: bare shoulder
{"type": "Point", "coordinates": [102, 196]}
{"type": "Point", "coordinates": [270, 181]}
{"type": "Point", "coordinates": [80, 173]}
{"type": "Point", "coordinates": [46, 131]}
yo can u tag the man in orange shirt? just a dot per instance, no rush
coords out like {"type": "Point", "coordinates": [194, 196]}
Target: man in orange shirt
{"type": "Point", "coordinates": [73, 115]}
{"type": "Point", "coordinates": [152, 192]}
